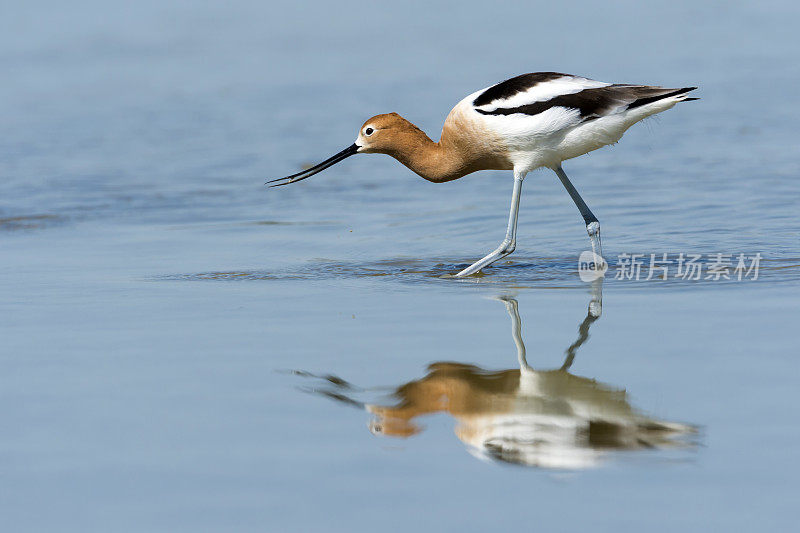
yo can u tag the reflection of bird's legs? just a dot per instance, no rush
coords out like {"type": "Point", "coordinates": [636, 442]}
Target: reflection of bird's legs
{"type": "Point", "coordinates": [594, 312]}
{"type": "Point", "coordinates": [596, 303]}
{"type": "Point", "coordinates": [516, 331]}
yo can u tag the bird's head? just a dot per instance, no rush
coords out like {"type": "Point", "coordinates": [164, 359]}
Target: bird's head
{"type": "Point", "coordinates": [382, 134]}
{"type": "Point", "coordinates": [385, 134]}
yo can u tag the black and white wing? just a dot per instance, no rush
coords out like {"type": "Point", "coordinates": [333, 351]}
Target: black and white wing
{"type": "Point", "coordinates": [560, 101]}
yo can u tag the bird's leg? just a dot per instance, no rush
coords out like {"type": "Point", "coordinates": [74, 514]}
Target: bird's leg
{"type": "Point", "coordinates": [592, 224]}
{"type": "Point", "coordinates": [510, 242]}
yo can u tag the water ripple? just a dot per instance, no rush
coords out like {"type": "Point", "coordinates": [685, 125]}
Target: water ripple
{"type": "Point", "coordinates": [522, 272]}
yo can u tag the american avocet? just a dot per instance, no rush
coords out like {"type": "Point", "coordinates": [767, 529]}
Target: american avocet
{"type": "Point", "coordinates": [527, 122]}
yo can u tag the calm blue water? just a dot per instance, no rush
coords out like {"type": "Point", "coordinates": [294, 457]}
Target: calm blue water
{"type": "Point", "coordinates": [185, 350]}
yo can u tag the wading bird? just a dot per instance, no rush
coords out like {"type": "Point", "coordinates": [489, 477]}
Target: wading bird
{"type": "Point", "coordinates": [524, 123]}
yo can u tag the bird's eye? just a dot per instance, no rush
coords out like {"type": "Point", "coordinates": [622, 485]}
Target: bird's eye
{"type": "Point", "coordinates": [369, 131]}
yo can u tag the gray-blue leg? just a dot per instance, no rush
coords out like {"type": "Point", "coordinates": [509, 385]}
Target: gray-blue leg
{"type": "Point", "coordinates": [510, 242]}
{"type": "Point", "coordinates": [592, 224]}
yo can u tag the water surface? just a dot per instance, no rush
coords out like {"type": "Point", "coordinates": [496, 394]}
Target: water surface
{"type": "Point", "coordinates": [184, 350]}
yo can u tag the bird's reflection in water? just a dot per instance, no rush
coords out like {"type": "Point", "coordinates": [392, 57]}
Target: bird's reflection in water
{"type": "Point", "coordinates": [541, 418]}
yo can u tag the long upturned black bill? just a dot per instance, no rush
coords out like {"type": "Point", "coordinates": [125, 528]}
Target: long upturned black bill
{"type": "Point", "coordinates": [307, 173]}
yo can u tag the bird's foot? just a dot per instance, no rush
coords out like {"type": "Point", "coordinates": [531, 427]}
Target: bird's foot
{"type": "Point", "coordinates": [593, 229]}
{"type": "Point", "coordinates": [506, 248]}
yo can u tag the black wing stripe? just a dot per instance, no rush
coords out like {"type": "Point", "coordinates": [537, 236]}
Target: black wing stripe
{"type": "Point", "coordinates": [518, 84]}
{"type": "Point", "coordinates": [588, 102]}
{"type": "Point", "coordinates": [596, 102]}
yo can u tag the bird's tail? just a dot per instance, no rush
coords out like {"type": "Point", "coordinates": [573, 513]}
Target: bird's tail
{"type": "Point", "coordinates": [648, 95]}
